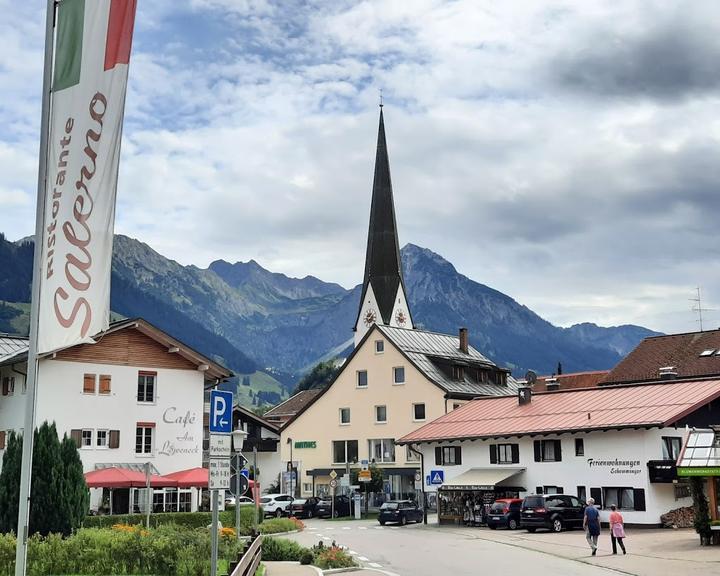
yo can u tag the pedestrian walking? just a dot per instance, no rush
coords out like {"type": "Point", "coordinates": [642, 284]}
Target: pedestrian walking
{"type": "Point", "coordinates": [591, 524]}
{"type": "Point", "coordinates": [617, 529]}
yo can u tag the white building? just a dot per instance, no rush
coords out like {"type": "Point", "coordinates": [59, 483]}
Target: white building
{"type": "Point", "coordinates": [616, 444]}
{"type": "Point", "coordinates": [134, 397]}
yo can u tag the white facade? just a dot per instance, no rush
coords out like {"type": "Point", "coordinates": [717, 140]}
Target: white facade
{"type": "Point", "coordinates": [607, 461]}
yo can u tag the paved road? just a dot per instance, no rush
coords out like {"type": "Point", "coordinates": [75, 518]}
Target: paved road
{"type": "Point", "coordinates": [418, 551]}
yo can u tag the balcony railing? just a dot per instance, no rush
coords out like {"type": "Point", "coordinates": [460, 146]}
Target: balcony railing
{"type": "Point", "coordinates": [662, 471]}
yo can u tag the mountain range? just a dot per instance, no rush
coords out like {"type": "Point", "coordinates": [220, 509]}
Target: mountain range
{"type": "Point", "coordinates": [257, 321]}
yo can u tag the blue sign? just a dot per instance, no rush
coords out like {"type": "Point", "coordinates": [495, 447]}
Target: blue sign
{"type": "Point", "coordinates": [245, 473]}
{"type": "Point", "coordinates": [437, 477]}
{"type": "Point", "coordinates": [221, 403]}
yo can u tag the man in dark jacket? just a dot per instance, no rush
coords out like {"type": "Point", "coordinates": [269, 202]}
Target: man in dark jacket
{"type": "Point", "coordinates": [591, 524]}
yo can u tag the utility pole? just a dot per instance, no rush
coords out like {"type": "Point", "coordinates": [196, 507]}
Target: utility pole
{"type": "Point", "coordinates": [698, 308]}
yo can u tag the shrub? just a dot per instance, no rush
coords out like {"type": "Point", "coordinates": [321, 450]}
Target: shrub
{"type": "Point", "coordinates": [279, 525]}
{"type": "Point", "coordinates": [333, 557]}
{"type": "Point", "coordinates": [307, 557]}
{"type": "Point", "coordinates": [282, 550]}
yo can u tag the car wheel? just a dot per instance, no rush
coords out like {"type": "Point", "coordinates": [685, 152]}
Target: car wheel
{"type": "Point", "coordinates": [531, 530]}
{"type": "Point", "coordinates": [336, 514]}
{"type": "Point", "coordinates": [278, 513]}
{"type": "Point", "coordinates": [403, 521]}
{"type": "Point", "coordinates": [382, 522]}
{"type": "Point", "coordinates": [512, 524]}
{"type": "Point", "coordinates": [557, 525]}
{"type": "Point", "coordinates": [309, 514]}
{"type": "Point", "coordinates": [492, 526]}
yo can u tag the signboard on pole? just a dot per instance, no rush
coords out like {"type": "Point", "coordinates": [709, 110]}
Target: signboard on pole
{"type": "Point", "coordinates": [364, 476]}
{"type": "Point", "coordinates": [221, 402]}
{"type": "Point", "coordinates": [92, 54]}
{"type": "Point", "coordinates": [219, 474]}
{"type": "Point", "coordinates": [220, 446]}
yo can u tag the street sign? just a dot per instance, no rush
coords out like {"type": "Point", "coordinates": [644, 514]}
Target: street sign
{"type": "Point", "coordinates": [243, 486]}
{"type": "Point", "coordinates": [220, 446]}
{"type": "Point", "coordinates": [333, 483]}
{"type": "Point", "coordinates": [418, 477]}
{"type": "Point", "coordinates": [437, 477]}
{"type": "Point", "coordinates": [333, 474]}
{"type": "Point", "coordinates": [345, 481]}
{"type": "Point", "coordinates": [219, 474]}
{"type": "Point", "coordinates": [364, 476]}
{"type": "Point", "coordinates": [245, 473]}
{"type": "Point", "coordinates": [239, 461]}
{"type": "Point", "coordinates": [221, 402]}
{"type": "Point", "coordinates": [364, 464]}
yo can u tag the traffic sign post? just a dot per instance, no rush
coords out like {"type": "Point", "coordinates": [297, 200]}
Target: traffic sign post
{"type": "Point", "coordinates": [221, 404]}
{"type": "Point", "coordinates": [333, 485]}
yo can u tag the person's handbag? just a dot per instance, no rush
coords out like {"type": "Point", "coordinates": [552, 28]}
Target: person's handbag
{"type": "Point", "coordinates": [618, 530]}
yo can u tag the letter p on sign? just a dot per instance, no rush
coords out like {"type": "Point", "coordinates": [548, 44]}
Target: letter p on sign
{"type": "Point", "coordinates": [221, 411]}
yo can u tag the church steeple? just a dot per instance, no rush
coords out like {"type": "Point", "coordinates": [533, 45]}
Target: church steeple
{"type": "Point", "coordinates": [383, 296]}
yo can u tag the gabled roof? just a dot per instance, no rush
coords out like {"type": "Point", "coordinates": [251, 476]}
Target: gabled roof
{"type": "Point", "coordinates": [682, 351]}
{"type": "Point", "coordinates": [383, 268]}
{"type": "Point", "coordinates": [259, 420]}
{"type": "Point", "coordinates": [612, 407]}
{"type": "Point", "coordinates": [293, 405]}
{"type": "Point", "coordinates": [12, 347]}
{"type": "Point", "coordinates": [215, 371]}
{"type": "Point", "coordinates": [419, 347]}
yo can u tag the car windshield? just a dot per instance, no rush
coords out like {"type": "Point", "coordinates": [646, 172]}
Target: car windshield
{"type": "Point", "coordinates": [299, 501]}
{"type": "Point", "coordinates": [498, 506]}
{"type": "Point", "coordinates": [534, 502]}
{"type": "Point", "coordinates": [389, 506]}
{"type": "Point", "coordinates": [265, 500]}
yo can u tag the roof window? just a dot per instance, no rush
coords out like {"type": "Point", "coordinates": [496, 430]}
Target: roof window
{"type": "Point", "coordinates": [709, 352]}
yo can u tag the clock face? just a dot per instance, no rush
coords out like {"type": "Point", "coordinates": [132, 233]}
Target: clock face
{"type": "Point", "coordinates": [400, 318]}
{"type": "Point", "coordinates": [370, 317]}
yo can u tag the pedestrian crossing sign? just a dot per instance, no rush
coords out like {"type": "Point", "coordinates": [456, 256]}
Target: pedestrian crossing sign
{"type": "Point", "coordinates": [437, 477]}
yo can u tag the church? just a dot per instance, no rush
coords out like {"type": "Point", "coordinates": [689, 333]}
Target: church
{"type": "Point", "coordinates": [396, 379]}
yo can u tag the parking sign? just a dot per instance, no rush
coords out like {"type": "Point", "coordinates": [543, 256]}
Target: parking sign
{"type": "Point", "coordinates": [221, 403]}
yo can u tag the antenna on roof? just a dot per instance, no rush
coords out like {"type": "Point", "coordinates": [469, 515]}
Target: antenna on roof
{"type": "Point", "coordinates": [698, 308]}
{"type": "Point", "coordinates": [381, 99]}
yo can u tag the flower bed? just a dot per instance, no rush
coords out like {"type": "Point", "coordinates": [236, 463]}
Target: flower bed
{"type": "Point", "coordinates": [280, 525]}
{"type": "Point", "coordinates": [324, 557]}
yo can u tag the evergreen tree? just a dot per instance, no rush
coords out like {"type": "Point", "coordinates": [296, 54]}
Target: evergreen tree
{"type": "Point", "coordinates": [76, 497]}
{"type": "Point", "coordinates": [319, 377]}
{"type": "Point", "coordinates": [10, 482]}
{"type": "Point", "coordinates": [47, 498]}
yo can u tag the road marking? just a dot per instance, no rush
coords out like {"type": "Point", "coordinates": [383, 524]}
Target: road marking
{"type": "Point", "coordinates": [374, 565]}
{"type": "Point", "coordinates": [394, 527]}
{"type": "Point", "coordinates": [363, 559]}
{"type": "Point", "coordinates": [363, 527]}
{"type": "Point", "coordinates": [379, 527]}
{"type": "Point", "coordinates": [346, 527]}
{"type": "Point", "coordinates": [325, 537]}
{"type": "Point", "coordinates": [352, 553]}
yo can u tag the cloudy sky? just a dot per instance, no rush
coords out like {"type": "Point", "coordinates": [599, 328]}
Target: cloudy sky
{"type": "Point", "coordinates": [566, 153]}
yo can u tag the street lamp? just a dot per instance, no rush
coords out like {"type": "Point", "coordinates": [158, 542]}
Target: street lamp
{"type": "Point", "coordinates": [238, 438]}
{"type": "Point", "coordinates": [292, 468]}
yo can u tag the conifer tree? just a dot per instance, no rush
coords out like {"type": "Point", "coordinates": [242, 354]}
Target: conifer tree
{"type": "Point", "coordinates": [76, 496]}
{"type": "Point", "coordinates": [47, 495]}
{"type": "Point", "coordinates": [10, 482]}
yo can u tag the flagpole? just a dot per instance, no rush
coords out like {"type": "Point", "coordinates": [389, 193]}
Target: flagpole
{"type": "Point", "coordinates": [32, 361]}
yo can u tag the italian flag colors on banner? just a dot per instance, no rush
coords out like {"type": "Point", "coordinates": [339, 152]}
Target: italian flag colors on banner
{"type": "Point", "coordinates": [93, 39]}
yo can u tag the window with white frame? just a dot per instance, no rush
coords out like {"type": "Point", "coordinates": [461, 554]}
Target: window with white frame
{"type": "Point", "coordinates": [547, 450]}
{"type": "Point", "coordinates": [344, 415]}
{"type": "Point", "coordinates": [448, 455]}
{"type": "Point", "coordinates": [382, 449]}
{"type": "Point", "coordinates": [399, 375]}
{"type": "Point", "coordinates": [86, 438]}
{"type": "Point", "coordinates": [419, 412]}
{"type": "Point", "coordinates": [362, 379]}
{"type": "Point", "coordinates": [101, 438]}
{"type": "Point", "coordinates": [380, 414]}
{"type": "Point", "coordinates": [623, 498]}
{"type": "Point", "coordinates": [411, 455]}
{"type": "Point", "coordinates": [345, 451]}
{"type": "Point", "coordinates": [505, 455]}
{"type": "Point", "coordinates": [379, 346]}
{"type": "Point", "coordinates": [671, 446]}
{"type": "Point", "coordinates": [144, 439]}
{"type": "Point", "coordinates": [146, 386]}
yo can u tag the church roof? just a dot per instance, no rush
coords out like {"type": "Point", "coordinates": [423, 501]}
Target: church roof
{"type": "Point", "coordinates": [383, 269]}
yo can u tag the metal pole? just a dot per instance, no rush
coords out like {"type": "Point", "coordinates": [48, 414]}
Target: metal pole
{"type": "Point", "coordinates": [292, 470]}
{"type": "Point", "coordinates": [256, 496]}
{"type": "Point", "coordinates": [32, 361]}
{"type": "Point", "coordinates": [237, 494]}
{"type": "Point", "coordinates": [148, 500]}
{"type": "Point", "coordinates": [214, 533]}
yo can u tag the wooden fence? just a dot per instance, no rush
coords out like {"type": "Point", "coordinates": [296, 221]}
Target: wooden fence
{"type": "Point", "coordinates": [250, 560]}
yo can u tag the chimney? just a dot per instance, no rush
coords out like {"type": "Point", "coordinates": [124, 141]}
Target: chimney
{"type": "Point", "coordinates": [668, 372]}
{"type": "Point", "coordinates": [524, 395]}
{"type": "Point", "coordinates": [559, 369]}
{"type": "Point", "coordinates": [552, 384]}
{"type": "Point", "coordinates": [464, 340]}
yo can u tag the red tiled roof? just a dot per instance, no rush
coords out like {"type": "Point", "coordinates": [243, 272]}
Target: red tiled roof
{"type": "Point", "coordinates": [587, 409]}
{"type": "Point", "coordinates": [573, 380]}
{"type": "Point", "coordinates": [679, 350]}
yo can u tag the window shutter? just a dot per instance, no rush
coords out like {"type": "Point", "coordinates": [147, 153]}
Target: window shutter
{"type": "Point", "coordinates": [538, 453]}
{"type": "Point", "coordinates": [639, 499]}
{"type": "Point", "coordinates": [5, 385]}
{"type": "Point", "coordinates": [493, 453]}
{"type": "Point", "coordinates": [515, 453]}
{"type": "Point", "coordinates": [458, 455]}
{"type": "Point", "coordinates": [89, 384]}
{"type": "Point", "coordinates": [105, 385]}
{"type": "Point", "coordinates": [2, 439]}
{"type": "Point", "coordinates": [114, 439]}
{"type": "Point", "coordinates": [538, 489]}
{"type": "Point", "coordinates": [76, 435]}
{"type": "Point", "coordinates": [558, 451]}
{"type": "Point", "coordinates": [560, 490]}
{"type": "Point", "coordinates": [596, 494]}
{"type": "Point", "coordinates": [438, 456]}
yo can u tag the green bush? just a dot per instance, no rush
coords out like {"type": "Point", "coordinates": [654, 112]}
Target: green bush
{"type": "Point", "coordinates": [185, 519]}
{"type": "Point", "coordinates": [278, 526]}
{"type": "Point", "coordinates": [330, 557]}
{"type": "Point", "coordinates": [282, 550]}
{"type": "Point", "coordinates": [307, 557]}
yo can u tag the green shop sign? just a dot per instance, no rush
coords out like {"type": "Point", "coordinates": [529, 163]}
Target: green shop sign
{"type": "Point", "coordinates": [707, 471]}
{"type": "Point", "coordinates": [306, 444]}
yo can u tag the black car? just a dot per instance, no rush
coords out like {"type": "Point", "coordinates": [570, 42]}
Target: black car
{"type": "Point", "coordinates": [399, 511]}
{"type": "Point", "coordinates": [505, 513]}
{"type": "Point", "coordinates": [552, 511]}
{"type": "Point", "coordinates": [324, 507]}
{"type": "Point", "coordinates": [304, 507]}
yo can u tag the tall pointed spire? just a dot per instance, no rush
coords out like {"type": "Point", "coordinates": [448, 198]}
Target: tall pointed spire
{"type": "Point", "coordinates": [383, 297]}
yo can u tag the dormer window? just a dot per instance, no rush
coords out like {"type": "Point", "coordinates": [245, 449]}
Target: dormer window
{"type": "Point", "coordinates": [458, 373]}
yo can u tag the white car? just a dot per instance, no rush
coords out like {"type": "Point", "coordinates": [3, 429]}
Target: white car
{"type": "Point", "coordinates": [277, 505]}
{"type": "Point", "coordinates": [244, 501]}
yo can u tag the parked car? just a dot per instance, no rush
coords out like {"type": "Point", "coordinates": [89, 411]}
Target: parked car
{"type": "Point", "coordinates": [342, 507]}
{"type": "Point", "coordinates": [552, 511]}
{"type": "Point", "coordinates": [400, 512]}
{"type": "Point", "coordinates": [505, 513]}
{"type": "Point", "coordinates": [276, 504]}
{"type": "Point", "coordinates": [243, 500]}
{"type": "Point", "coordinates": [304, 507]}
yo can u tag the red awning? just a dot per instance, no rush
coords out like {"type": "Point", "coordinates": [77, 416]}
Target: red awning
{"type": "Point", "coordinates": [193, 478]}
{"type": "Point", "coordinates": [125, 478]}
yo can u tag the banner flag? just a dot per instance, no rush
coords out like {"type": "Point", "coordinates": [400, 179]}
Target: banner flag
{"type": "Point", "coordinates": [92, 53]}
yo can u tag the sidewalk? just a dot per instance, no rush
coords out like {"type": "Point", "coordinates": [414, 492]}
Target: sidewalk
{"type": "Point", "coordinates": [290, 569]}
{"type": "Point", "coordinates": [650, 552]}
